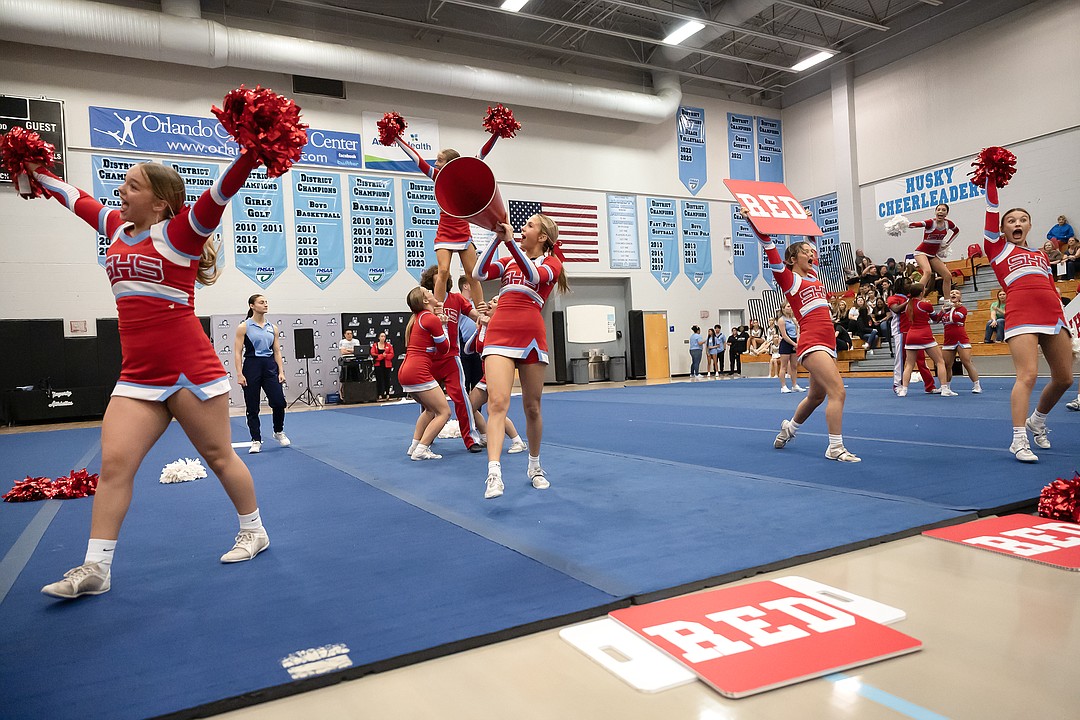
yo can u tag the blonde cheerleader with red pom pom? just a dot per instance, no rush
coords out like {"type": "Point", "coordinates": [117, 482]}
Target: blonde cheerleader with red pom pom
{"type": "Point", "coordinates": [1034, 317]}
{"type": "Point", "coordinates": [453, 234]}
{"type": "Point", "coordinates": [158, 248]}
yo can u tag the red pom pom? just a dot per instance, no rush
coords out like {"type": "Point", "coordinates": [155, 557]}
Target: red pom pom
{"type": "Point", "coordinates": [32, 488]}
{"type": "Point", "coordinates": [20, 146]}
{"type": "Point", "coordinates": [1060, 500]}
{"type": "Point", "coordinates": [500, 121]}
{"type": "Point", "coordinates": [266, 124]}
{"type": "Point", "coordinates": [391, 127]}
{"type": "Point", "coordinates": [994, 164]}
{"type": "Point", "coordinates": [77, 484]}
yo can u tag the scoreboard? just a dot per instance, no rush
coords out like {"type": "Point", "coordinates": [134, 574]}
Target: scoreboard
{"type": "Point", "coordinates": [45, 117]}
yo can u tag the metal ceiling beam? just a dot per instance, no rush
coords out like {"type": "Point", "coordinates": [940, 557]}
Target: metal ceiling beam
{"type": "Point", "coordinates": [834, 15]}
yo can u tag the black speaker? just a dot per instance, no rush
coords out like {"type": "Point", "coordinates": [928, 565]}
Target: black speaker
{"type": "Point", "coordinates": [558, 344]}
{"type": "Point", "coordinates": [364, 391]}
{"type": "Point", "coordinates": [636, 356]}
{"type": "Point", "coordinates": [304, 343]}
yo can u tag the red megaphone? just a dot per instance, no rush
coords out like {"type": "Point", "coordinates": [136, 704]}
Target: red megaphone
{"type": "Point", "coordinates": [465, 188]}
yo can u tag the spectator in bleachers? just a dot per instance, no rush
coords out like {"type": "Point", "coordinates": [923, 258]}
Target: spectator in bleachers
{"type": "Point", "coordinates": [1061, 233]}
{"type": "Point", "coordinates": [1071, 254]}
{"type": "Point", "coordinates": [772, 334]}
{"type": "Point", "coordinates": [891, 269]}
{"type": "Point", "coordinates": [843, 338]}
{"type": "Point", "coordinates": [864, 327]}
{"type": "Point", "coordinates": [995, 326]}
{"type": "Point", "coordinates": [862, 262]}
{"type": "Point", "coordinates": [758, 343]}
{"type": "Point", "coordinates": [841, 312]}
{"type": "Point", "coordinates": [869, 275]}
{"type": "Point", "coordinates": [882, 321]}
{"type": "Point", "coordinates": [1054, 259]}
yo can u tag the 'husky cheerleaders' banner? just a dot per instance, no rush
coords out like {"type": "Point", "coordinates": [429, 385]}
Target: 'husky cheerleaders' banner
{"type": "Point", "coordinates": [693, 171]}
{"type": "Point", "coordinates": [320, 242]}
{"type": "Point", "coordinates": [741, 147]}
{"type": "Point", "coordinates": [421, 222]}
{"type": "Point", "coordinates": [622, 232]}
{"type": "Point", "coordinates": [696, 241]}
{"type": "Point", "coordinates": [141, 130]}
{"type": "Point", "coordinates": [770, 151]}
{"type": "Point", "coordinates": [109, 174]}
{"type": "Point", "coordinates": [258, 215]}
{"type": "Point", "coordinates": [925, 190]}
{"type": "Point", "coordinates": [663, 243]}
{"type": "Point", "coordinates": [421, 133]}
{"type": "Point", "coordinates": [744, 249]}
{"type": "Point", "coordinates": [373, 229]}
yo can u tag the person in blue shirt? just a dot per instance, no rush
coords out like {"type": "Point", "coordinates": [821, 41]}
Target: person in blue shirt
{"type": "Point", "coordinates": [721, 340]}
{"type": "Point", "coordinates": [696, 344]}
{"type": "Point", "coordinates": [715, 350]}
{"type": "Point", "coordinates": [260, 370]}
{"type": "Point", "coordinates": [1061, 233]}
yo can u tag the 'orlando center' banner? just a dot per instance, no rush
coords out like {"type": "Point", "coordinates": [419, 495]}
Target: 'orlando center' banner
{"type": "Point", "coordinates": [320, 242]}
{"type": "Point", "coordinates": [258, 213]}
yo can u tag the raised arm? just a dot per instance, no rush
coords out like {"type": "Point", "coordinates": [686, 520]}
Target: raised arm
{"type": "Point", "coordinates": [487, 147]}
{"type": "Point", "coordinates": [203, 218]}
{"type": "Point", "coordinates": [420, 162]}
{"type": "Point", "coordinates": [528, 269]}
{"type": "Point", "coordinates": [487, 268]}
{"type": "Point", "coordinates": [782, 273]}
{"type": "Point", "coordinates": [992, 241]}
{"type": "Point", "coordinates": [96, 215]}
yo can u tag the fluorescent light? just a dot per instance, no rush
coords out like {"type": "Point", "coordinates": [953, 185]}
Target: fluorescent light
{"type": "Point", "coordinates": [812, 61]}
{"type": "Point", "coordinates": [513, 5]}
{"type": "Point", "coordinates": [681, 33]}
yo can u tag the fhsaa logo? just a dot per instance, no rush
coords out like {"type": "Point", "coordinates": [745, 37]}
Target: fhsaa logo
{"type": "Point", "coordinates": [375, 275]}
{"type": "Point", "coordinates": [698, 277]}
{"type": "Point", "coordinates": [265, 274]}
{"type": "Point", "coordinates": [665, 277]}
{"type": "Point", "coordinates": [324, 275]}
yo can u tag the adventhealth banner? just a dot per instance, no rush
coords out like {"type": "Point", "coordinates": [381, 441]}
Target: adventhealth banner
{"type": "Point", "coordinates": [421, 133]}
{"type": "Point", "coordinates": [741, 147]}
{"type": "Point", "coordinates": [696, 241]}
{"type": "Point", "coordinates": [925, 190]}
{"type": "Point", "coordinates": [118, 129]}
{"type": "Point", "coordinates": [258, 213]}
{"type": "Point", "coordinates": [421, 222]}
{"type": "Point", "coordinates": [109, 174]}
{"type": "Point", "coordinates": [320, 242]}
{"type": "Point", "coordinates": [691, 136]}
{"type": "Point", "coordinates": [663, 243]}
{"type": "Point", "coordinates": [373, 229]}
{"type": "Point", "coordinates": [623, 232]}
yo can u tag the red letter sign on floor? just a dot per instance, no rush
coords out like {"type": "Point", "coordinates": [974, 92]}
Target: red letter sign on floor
{"type": "Point", "coordinates": [751, 638]}
{"type": "Point", "coordinates": [773, 210]}
{"type": "Point", "coordinates": [1050, 542]}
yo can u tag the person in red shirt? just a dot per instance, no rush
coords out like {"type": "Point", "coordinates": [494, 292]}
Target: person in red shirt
{"type": "Point", "coordinates": [382, 355]}
{"type": "Point", "coordinates": [957, 341]}
{"type": "Point", "coordinates": [897, 304]}
{"type": "Point", "coordinates": [921, 337]}
{"type": "Point", "coordinates": [425, 344]}
{"type": "Point", "coordinates": [930, 253]}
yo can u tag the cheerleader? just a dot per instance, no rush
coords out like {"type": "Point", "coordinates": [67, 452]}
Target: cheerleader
{"type": "Point", "coordinates": [816, 343]}
{"type": "Point", "coordinates": [478, 396]}
{"type": "Point", "coordinates": [1033, 315]}
{"type": "Point", "coordinates": [921, 337]}
{"type": "Point", "coordinates": [425, 343]}
{"type": "Point", "coordinates": [517, 337]}
{"type": "Point", "coordinates": [957, 342]}
{"type": "Point", "coordinates": [931, 251]}
{"type": "Point", "coordinates": [261, 370]}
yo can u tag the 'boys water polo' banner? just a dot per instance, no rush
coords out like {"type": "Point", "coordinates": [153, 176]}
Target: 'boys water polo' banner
{"type": "Point", "coordinates": [109, 174]}
{"type": "Point", "coordinates": [141, 130]}
{"type": "Point", "coordinates": [696, 241]}
{"type": "Point", "coordinates": [421, 222]}
{"type": "Point", "coordinates": [663, 244]}
{"type": "Point", "coordinates": [690, 131]}
{"type": "Point", "coordinates": [925, 190]}
{"type": "Point", "coordinates": [258, 218]}
{"type": "Point", "coordinates": [320, 242]}
{"type": "Point", "coordinates": [623, 232]}
{"type": "Point", "coordinates": [421, 133]}
{"type": "Point", "coordinates": [373, 229]}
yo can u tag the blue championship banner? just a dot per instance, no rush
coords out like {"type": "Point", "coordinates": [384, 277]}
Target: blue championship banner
{"type": "Point", "coordinates": [373, 229]}
{"type": "Point", "coordinates": [258, 213]}
{"type": "Point", "coordinates": [141, 130]}
{"type": "Point", "coordinates": [421, 222]}
{"type": "Point", "coordinates": [825, 213]}
{"type": "Point", "coordinates": [693, 171]}
{"type": "Point", "coordinates": [696, 241]}
{"type": "Point", "coordinates": [623, 232]}
{"type": "Point", "coordinates": [198, 178]}
{"type": "Point", "coordinates": [741, 147]}
{"type": "Point", "coordinates": [320, 242]}
{"type": "Point", "coordinates": [744, 249]}
{"type": "Point", "coordinates": [109, 174]}
{"type": "Point", "coordinates": [663, 241]}
{"type": "Point", "coordinates": [770, 151]}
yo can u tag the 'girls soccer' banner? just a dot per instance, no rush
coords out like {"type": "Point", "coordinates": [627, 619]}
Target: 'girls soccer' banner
{"type": "Point", "coordinates": [925, 190]}
{"type": "Point", "coordinates": [696, 241]}
{"type": "Point", "coordinates": [320, 242]}
{"type": "Point", "coordinates": [741, 147]}
{"type": "Point", "coordinates": [109, 174]}
{"type": "Point", "coordinates": [623, 232]}
{"type": "Point", "coordinates": [421, 222]}
{"type": "Point", "coordinates": [421, 133]}
{"type": "Point", "coordinates": [691, 138]}
{"type": "Point", "coordinates": [373, 229]}
{"type": "Point", "coordinates": [770, 150]}
{"type": "Point", "coordinates": [258, 214]}
{"type": "Point", "coordinates": [744, 250]}
{"type": "Point", "coordinates": [118, 129]}
{"type": "Point", "coordinates": [663, 243]}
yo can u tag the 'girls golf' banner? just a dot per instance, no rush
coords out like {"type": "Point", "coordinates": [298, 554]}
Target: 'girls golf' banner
{"type": "Point", "coordinates": [258, 215]}
{"type": "Point", "coordinates": [691, 138]}
{"type": "Point", "coordinates": [623, 232]}
{"type": "Point", "coordinates": [320, 242]}
{"type": "Point", "coordinates": [421, 221]}
{"type": "Point", "coordinates": [421, 133]}
{"type": "Point", "coordinates": [109, 174]}
{"type": "Point", "coordinates": [696, 241]}
{"type": "Point", "coordinates": [663, 243]}
{"type": "Point", "coordinates": [741, 147]}
{"type": "Point", "coordinates": [373, 228]}
{"type": "Point", "coordinates": [770, 150]}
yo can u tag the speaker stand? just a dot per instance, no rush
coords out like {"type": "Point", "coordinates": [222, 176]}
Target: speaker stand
{"type": "Point", "coordinates": [307, 397]}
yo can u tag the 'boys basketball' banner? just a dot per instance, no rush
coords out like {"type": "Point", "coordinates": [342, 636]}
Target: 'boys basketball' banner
{"type": "Point", "coordinates": [320, 242]}
{"type": "Point", "coordinates": [258, 219]}
{"type": "Point", "coordinates": [741, 147]}
{"type": "Point", "coordinates": [663, 242]}
{"type": "Point", "coordinates": [421, 222]}
{"type": "Point", "coordinates": [690, 125]}
{"type": "Point", "coordinates": [696, 241]}
{"type": "Point", "coordinates": [373, 229]}
{"type": "Point", "coordinates": [772, 209]}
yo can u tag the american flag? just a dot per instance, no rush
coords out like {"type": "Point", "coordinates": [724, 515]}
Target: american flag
{"type": "Point", "coordinates": [577, 226]}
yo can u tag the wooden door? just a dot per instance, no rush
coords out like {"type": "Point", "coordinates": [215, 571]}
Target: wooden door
{"type": "Point", "coordinates": [657, 360]}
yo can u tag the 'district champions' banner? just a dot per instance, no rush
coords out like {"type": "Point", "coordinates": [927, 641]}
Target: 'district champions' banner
{"type": "Point", "coordinates": [744, 249]}
{"type": "Point", "coordinates": [696, 241]}
{"type": "Point", "coordinates": [317, 226]}
{"type": "Point", "coordinates": [693, 169]}
{"type": "Point", "coordinates": [109, 174]}
{"type": "Point", "coordinates": [258, 213]}
{"type": "Point", "coordinates": [663, 240]}
{"type": "Point", "coordinates": [198, 178]}
{"type": "Point", "coordinates": [421, 222]}
{"type": "Point", "coordinates": [373, 229]}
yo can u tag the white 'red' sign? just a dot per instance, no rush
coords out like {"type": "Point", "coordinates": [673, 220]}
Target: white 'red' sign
{"type": "Point", "coordinates": [772, 209]}
{"type": "Point", "coordinates": [1050, 542]}
{"type": "Point", "coordinates": [751, 638]}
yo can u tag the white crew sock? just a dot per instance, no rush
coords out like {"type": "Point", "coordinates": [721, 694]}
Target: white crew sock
{"type": "Point", "coordinates": [251, 521]}
{"type": "Point", "coordinates": [101, 552]}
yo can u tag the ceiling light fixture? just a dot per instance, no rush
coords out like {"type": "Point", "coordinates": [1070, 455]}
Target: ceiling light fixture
{"type": "Point", "coordinates": [513, 5]}
{"type": "Point", "coordinates": [681, 33]}
{"type": "Point", "coordinates": [811, 61]}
